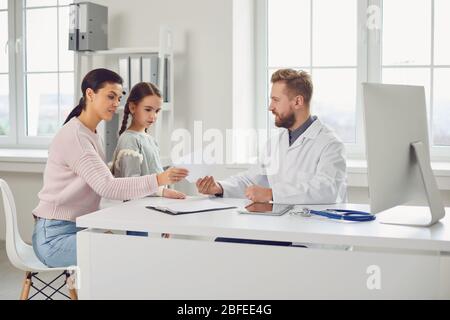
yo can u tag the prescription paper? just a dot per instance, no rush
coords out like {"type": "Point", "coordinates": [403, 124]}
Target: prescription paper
{"type": "Point", "coordinates": [196, 170]}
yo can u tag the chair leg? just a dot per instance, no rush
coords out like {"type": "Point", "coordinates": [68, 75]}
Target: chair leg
{"type": "Point", "coordinates": [26, 286]}
{"type": "Point", "coordinates": [73, 294]}
{"type": "Point", "coordinates": [71, 287]}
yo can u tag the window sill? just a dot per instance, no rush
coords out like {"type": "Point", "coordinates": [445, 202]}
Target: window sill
{"type": "Point", "coordinates": [33, 161]}
{"type": "Point", "coordinates": [23, 160]}
{"type": "Point", "coordinates": [357, 173]}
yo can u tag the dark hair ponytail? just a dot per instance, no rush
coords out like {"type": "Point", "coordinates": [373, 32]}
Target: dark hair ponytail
{"type": "Point", "coordinates": [95, 79]}
{"type": "Point", "coordinates": [77, 110]}
{"type": "Point", "coordinates": [139, 92]}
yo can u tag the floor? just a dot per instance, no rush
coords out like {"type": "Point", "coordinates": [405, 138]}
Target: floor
{"type": "Point", "coordinates": [11, 280]}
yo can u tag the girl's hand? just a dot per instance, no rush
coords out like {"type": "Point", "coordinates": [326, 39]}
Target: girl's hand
{"type": "Point", "coordinates": [171, 176]}
{"type": "Point", "coordinates": [173, 194]}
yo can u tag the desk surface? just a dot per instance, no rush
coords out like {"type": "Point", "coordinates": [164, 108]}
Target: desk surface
{"type": "Point", "coordinates": [228, 223]}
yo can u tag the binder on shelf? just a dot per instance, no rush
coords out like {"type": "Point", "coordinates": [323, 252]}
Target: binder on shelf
{"type": "Point", "coordinates": [150, 68]}
{"type": "Point", "coordinates": [124, 72]}
{"type": "Point", "coordinates": [88, 27]}
{"type": "Point", "coordinates": [135, 71]}
{"type": "Point", "coordinates": [111, 133]}
{"type": "Point", "coordinates": [74, 27]}
{"type": "Point", "coordinates": [166, 84]}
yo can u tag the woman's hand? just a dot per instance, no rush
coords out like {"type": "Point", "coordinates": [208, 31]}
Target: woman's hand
{"type": "Point", "coordinates": [173, 194]}
{"type": "Point", "coordinates": [171, 176]}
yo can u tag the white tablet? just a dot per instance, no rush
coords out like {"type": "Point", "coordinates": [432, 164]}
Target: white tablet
{"type": "Point", "coordinates": [268, 209]}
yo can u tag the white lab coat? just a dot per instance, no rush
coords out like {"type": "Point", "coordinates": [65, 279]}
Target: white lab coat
{"type": "Point", "coordinates": [311, 171]}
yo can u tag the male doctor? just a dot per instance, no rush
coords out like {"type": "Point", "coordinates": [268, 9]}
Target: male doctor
{"type": "Point", "coordinates": [304, 163]}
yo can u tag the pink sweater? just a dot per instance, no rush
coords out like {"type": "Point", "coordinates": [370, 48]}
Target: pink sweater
{"type": "Point", "coordinates": [76, 176]}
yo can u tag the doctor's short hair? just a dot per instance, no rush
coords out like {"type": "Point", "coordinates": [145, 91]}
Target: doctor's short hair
{"type": "Point", "coordinates": [298, 83]}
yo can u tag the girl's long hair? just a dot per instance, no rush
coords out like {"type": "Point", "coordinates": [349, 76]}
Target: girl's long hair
{"type": "Point", "coordinates": [139, 92]}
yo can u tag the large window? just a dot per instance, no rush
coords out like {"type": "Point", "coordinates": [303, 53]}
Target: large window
{"type": "Point", "coordinates": [309, 35]}
{"type": "Point", "coordinates": [42, 69]}
{"type": "Point", "coordinates": [49, 66]}
{"type": "Point", "coordinates": [332, 40]}
{"type": "Point", "coordinates": [422, 57]}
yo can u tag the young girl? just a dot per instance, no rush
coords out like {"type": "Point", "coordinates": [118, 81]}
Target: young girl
{"type": "Point", "coordinates": [137, 153]}
{"type": "Point", "coordinates": [76, 176]}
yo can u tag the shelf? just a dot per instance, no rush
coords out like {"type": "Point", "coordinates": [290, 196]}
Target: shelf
{"type": "Point", "coordinates": [165, 81]}
{"type": "Point", "coordinates": [119, 51]}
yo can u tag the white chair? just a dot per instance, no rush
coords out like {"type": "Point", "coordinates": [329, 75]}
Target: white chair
{"type": "Point", "coordinates": [23, 257]}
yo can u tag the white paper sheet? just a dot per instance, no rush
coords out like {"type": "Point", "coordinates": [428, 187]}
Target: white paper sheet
{"type": "Point", "coordinates": [196, 170]}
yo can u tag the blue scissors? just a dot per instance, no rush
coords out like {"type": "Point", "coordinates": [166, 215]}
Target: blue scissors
{"type": "Point", "coordinates": [339, 214]}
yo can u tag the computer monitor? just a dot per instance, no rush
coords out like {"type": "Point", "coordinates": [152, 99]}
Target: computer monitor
{"type": "Point", "coordinates": [398, 157]}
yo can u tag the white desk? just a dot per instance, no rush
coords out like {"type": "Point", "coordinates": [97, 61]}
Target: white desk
{"type": "Point", "coordinates": [346, 260]}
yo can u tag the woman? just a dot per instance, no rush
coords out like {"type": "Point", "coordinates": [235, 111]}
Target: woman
{"type": "Point", "coordinates": [76, 176]}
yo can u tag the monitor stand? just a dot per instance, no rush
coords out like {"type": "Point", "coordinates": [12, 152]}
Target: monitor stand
{"type": "Point", "coordinates": [418, 216]}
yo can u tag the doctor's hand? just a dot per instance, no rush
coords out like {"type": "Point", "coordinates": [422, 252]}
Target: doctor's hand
{"type": "Point", "coordinates": [259, 194]}
{"type": "Point", "coordinates": [209, 186]}
{"type": "Point", "coordinates": [171, 175]}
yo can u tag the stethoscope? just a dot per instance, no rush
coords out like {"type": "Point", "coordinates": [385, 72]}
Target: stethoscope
{"type": "Point", "coordinates": [338, 214]}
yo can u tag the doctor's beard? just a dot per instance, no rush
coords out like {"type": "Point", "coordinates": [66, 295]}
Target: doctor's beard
{"type": "Point", "coordinates": [286, 122]}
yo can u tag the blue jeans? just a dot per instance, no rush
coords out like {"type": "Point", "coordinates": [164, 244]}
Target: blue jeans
{"type": "Point", "coordinates": [55, 242]}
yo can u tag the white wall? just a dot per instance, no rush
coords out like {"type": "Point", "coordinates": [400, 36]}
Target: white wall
{"type": "Point", "coordinates": [25, 187]}
{"type": "Point", "coordinates": [203, 51]}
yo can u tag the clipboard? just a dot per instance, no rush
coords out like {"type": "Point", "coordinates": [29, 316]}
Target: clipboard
{"type": "Point", "coordinates": [177, 212]}
{"type": "Point", "coordinates": [188, 207]}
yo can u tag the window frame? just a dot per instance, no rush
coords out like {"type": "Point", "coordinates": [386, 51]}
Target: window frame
{"type": "Point", "coordinates": [369, 69]}
{"type": "Point", "coordinates": [437, 153]}
{"type": "Point", "coordinates": [18, 137]}
{"type": "Point", "coordinates": [11, 138]}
